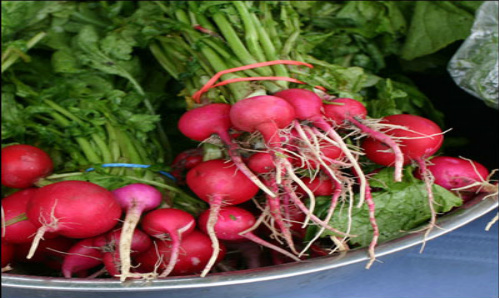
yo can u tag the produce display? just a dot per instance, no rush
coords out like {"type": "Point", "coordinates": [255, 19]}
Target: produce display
{"type": "Point", "coordinates": [153, 139]}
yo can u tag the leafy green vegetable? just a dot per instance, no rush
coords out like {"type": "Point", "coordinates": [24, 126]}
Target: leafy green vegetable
{"type": "Point", "coordinates": [435, 25]}
{"type": "Point", "coordinates": [400, 207]}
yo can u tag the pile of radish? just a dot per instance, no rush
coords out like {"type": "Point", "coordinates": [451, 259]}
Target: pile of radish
{"type": "Point", "coordinates": [279, 153]}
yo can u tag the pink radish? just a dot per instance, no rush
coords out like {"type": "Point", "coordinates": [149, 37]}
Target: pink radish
{"type": "Point", "coordinates": [196, 251]}
{"type": "Point", "coordinates": [172, 224]}
{"type": "Point", "coordinates": [24, 165]}
{"type": "Point", "coordinates": [74, 209]}
{"type": "Point", "coordinates": [459, 174]}
{"type": "Point", "coordinates": [213, 119]}
{"type": "Point", "coordinates": [109, 245]}
{"type": "Point", "coordinates": [82, 256]}
{"type": "Point", "coordinates": [232, 225]}
{"type": "Point", "coordinates": [308, 106]}
{"type": "Point", "coordinates": [134, 199]}
{"type": "Point", "coordinates": [18, 229]}
{"type": "Point", "coordinates": [419, 138]}
{"type": "Point", "coordinates": [320, 186]}
{"type": "Point", "coordinates": [343, 111]}
{"type": "Point", "coordinates": [218, 182]}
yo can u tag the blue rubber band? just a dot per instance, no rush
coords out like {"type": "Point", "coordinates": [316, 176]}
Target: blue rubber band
{"type": "Point", "coordinates": [131, 165]}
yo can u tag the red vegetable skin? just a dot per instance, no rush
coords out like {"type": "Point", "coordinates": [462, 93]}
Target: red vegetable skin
{"type": "Point", "coordinates": [82, 256]}
{"type": "Point", "coordinates": [219, 183]}
{"type": "Point", "coordinates": [24, 165]}
{"type": "Point", "coordinates": [7, 253]}
{"type": "Point", "coordinates": [172, 224]}
{"type": "Point", "coordinates": [196, 251]}
{"type": "Point", "coordinates": [451, 173]}
{"type": "Point", "coordinates": [74, 209]}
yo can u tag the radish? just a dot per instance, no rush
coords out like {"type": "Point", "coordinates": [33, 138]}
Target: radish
{"type": "Point", "coordinates": [343, 111]}
{"type": "Point", "coordinates": [50, 252]}
{"type": "Point", "coordinates": [308, 106]}
{"type": "Point", "coordinates": [109, 245]}
{"type": "Point", "coordinates": [23, 165]}
{"type": "Point", "coordinates": [233, 224]}
{"type": "Point", "coordinates": [218, 182]}
{"type": "Point", "coordinates": [18, 229]}
{"type": "Point", "coordinates": [196, 251]}
{"type": "Point", "coordinates": [74, 209]}
{"type": "Point", "coordinates": [201, 123]}
{"type": "Point", "coordinates": [7, 254]}
{"type": "Point", "coordinates": [185, 161]}
{"type": "Point", "coordinates": [169, 224]}
{"type": "Point", "coordinates": [459, 174]}
{"type": "Point", "coordinates": [419, 138]}
{"type": "Point", "coordinates": [82, 256]}
{"type": "Point", "coordinates": [134, 199]}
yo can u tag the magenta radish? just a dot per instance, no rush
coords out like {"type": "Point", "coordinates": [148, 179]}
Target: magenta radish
{"type": "Point", "coordinates": [82, 256]}
{"type": "Point", "coordinates": [343, 111]}
{"type": "Point", "coordinates": [109, 244]}
{"type": "Point", "coordinates": [219, 183]}
{"type": "Point", "coordinates": [169, 224]}
{"type": "Point", "coordinates": [24, 165]}
{"type": "Point", "coordinates": [320, 186]}
{"type": "Point", "coordinates": [74, 209]}
{"type": "Point", "coordinates": [134, 199]}
{"type": "Point", "coordinates": [232, 225]}
{"type": "Point", "coordinates": [419, 138]}
{"type": "Point", "coordinates": [201, 123]}
{"type": "Point", "coordinates": [308, 106]}
{"type": "Point", "coordinates": [185, 161]}
{"type": "Point", "coordinates": [196, 251]}
{"type": "Point", "coordinates": [18, 229]}
{"type": "Point", "coordinates": [459, 174]}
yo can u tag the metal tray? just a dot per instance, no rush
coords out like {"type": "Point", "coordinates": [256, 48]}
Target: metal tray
{"type": "Point", "coordinates": [245, 283]}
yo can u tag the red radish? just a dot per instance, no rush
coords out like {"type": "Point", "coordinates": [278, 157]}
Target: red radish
{"type": "Point", "coordinates": [218, 182]}
{"type": "Point", "coordinates": [458, 174]}
{"type": "Point", "coordinates": [18, 229]}
{"type": "Point", "coordinates": [196, 251]}
{"type": "Point", "coordinates": [342, 110]}
{"type": "Point", "coordinates": [308, 106]}
{"type": "Point", "coordinates": [265, 114]}
{"type": "Point", "coordinates": [109, 245]}
{"type": "Point", "coordinates": [419, 138]}
{"type": "Point", "coordinates": [320, 186]}
{"type": "Point", "coordinates": [50, 252]}
{"type": "Point", "coordinates": [232, 225]}
{"type": "Point", "coordinates": [74, 209]}
{"type": "Point", "coordinates": [134, 199]}
{"type": "Point", "coordinates": [24, 165]}
{"type": "Point", "coordinates": [213, 119]}
{"type": "Point", "coordinates": [185, 161]}
{"type": "Point", "coordinates": [7, 254]}
{"type": "Point", "coordinates": [82, 256]}
{"type": "Point", "coordinates": [172, 224]}
{"type": "Point", "coordinates": [261, 162]}
{"type": "Point", "coordinates": [347, 110]}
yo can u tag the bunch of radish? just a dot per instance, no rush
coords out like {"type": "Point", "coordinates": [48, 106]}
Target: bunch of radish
{"type": "Point", "coordinates": [297, 144]}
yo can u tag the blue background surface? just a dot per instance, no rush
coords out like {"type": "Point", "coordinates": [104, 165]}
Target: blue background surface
{"type": "Point", "coordinates": [461, 264]}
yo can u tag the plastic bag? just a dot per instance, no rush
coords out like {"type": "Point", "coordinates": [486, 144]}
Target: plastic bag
{"type": "Point", "coordinates": [474, 67]}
